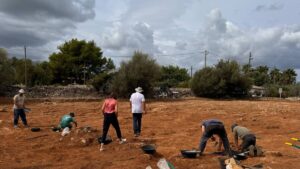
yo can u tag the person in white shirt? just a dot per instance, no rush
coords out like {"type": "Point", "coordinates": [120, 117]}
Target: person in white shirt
{"type": "Point", "coordinates": [138, 108]}
{"type": "Point", "coordinates": [19, 108]}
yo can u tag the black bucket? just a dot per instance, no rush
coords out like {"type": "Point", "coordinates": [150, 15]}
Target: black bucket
{"type": "Point", "coordinates": [148, 149]}
{"type": "Point", "coordinates": [189, 153]}
{"type": "Point", "coordinates": [35, 129]}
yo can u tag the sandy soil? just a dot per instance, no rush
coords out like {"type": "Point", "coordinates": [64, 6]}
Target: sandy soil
{"type": "Point", "coordinates": [170, 125]}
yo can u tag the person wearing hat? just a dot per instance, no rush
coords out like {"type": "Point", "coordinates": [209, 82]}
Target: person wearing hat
{"type": "Point", "coordinates": [19, 108]}
{"type": "Point", "coordinates": [210, 129]}
{"type": "Point", "coordinates": [247, 137]}
{"type": "Point", "coordinates": [138, 108]}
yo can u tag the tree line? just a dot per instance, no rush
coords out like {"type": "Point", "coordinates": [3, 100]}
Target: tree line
{"type": "Point", "coordinates": [83, 62]}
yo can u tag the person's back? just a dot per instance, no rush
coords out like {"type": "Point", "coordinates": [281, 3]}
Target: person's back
{"type": "Point", "coordinates": [110, 105]}
{"type": "Point", "coordinates": [247, 137]}
{"type": "Point", "coordinates": [137, 100]}
{"type": "Point", "coordinates": [212, 122]}
{"type": "Point", "coordinates": [240, 131]}
{"type": "Point", "coordinates": [66, 120]}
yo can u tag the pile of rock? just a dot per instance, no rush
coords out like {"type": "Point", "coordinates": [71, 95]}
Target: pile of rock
{"type": "Point", "coordinates": [70, 91]}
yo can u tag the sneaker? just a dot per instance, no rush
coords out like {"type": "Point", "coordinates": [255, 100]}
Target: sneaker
{"type": "Point", "coordinates": [16, 127]}
{"type": "Point", "coordinates": [101, 147]}
{"type": "Point", "coordinates": [122, 141]}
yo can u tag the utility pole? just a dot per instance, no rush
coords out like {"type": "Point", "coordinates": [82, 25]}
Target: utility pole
{"type": "Point", "coordinates": [25, 67]}
{"type": "Point", "coordinates": [250, 58]}
{"type": "Point", "coordinates": [205, 54]}
{"type": "Point", "coordinates": [84, 71]}
{"type": "Point", "coordinates": [191, 71]}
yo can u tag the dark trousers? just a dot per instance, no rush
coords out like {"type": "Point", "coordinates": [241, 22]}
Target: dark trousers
{"type": "Point", "coordinates": [137, 122]}
{"type": "Point", "coordinates": [248, 140]}
{"type": "Point", "coordinates": [21, 113]}
{"type": "Point", "coordinates": [110, 118]}
{"type": "Point", "coordinates": [209, 132]}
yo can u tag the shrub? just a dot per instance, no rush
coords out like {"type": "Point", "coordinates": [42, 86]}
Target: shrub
{"type": "Point", "coordinates": [223, 80]}
{"type": "Point", "coordinates": [141, 71]}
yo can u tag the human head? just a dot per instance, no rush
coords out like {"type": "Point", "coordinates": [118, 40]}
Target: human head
{"type": "Point", "coordinates": [233, 126]}
{"type": "Point", "coordinates": [21, 91]}
{"type": "Point", "coordinates": [139, 89]}
{"type": "Point", "coordinates": [72, 114]}
{"type": "Point", "coordinates": [112, 95]}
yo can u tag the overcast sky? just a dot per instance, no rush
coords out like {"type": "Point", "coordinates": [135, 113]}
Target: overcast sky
{"type": "Point", "coordinates": [172, 31]}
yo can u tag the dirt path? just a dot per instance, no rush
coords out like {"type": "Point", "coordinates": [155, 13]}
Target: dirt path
{"type": "Point", "coordinates": [171, 125]}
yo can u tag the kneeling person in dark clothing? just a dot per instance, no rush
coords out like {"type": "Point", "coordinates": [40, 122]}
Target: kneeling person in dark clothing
{"type": "Point", "coordinates": [247, 137]}
{"type": "Point", "coordinates": [213, 127]}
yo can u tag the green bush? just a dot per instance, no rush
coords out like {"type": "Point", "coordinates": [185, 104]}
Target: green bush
{"type": "Point", "coordinates": [141, 71]}
{"type": "Point", "coordinates": [287, 90]}
{"type": "Point", "coordinates": [102, 82]}
{"type": "Point", "coordinates": [223, 80]}
{"type": "Point", "coordinates": [173, 76]}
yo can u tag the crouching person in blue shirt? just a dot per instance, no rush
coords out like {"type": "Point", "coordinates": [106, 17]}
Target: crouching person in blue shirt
{"type": "Point", "coordinates": [211, 128]}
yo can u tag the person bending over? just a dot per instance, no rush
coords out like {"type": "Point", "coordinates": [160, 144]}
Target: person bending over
{"type": "Point", "coordinates": [247, 137]}
{"type": "Point", "coordinates": [210, 128]}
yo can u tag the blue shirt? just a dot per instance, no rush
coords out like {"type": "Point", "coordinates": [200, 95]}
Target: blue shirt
{"type": "Point", "coordinates": [211, 122]}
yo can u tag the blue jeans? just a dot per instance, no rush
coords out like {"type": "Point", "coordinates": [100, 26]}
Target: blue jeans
{"type": "Point", "coordinates": [137, 122]}
{"type": "Point", "coordinates": [248, 140]}
{"type": "Point", "coordinates": [21, 113]}
{"type": "Point", "coordinates": [210, 131]}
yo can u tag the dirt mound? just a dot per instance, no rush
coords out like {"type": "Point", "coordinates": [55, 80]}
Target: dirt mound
{"type": "Point", "coordinates": [169, 125]}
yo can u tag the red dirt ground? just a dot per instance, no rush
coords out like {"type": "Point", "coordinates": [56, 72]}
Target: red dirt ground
{"type": "Point", "coordinates": [170, 125]}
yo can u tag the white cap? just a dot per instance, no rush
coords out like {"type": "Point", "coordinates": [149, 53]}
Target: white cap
{"type": "Point", "coordinates": [139, 89]}
{"type": "Point", "coordinates": [21, 91]}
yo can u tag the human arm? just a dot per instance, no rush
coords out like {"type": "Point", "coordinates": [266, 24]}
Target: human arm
{"type": "Point", "coordinates": [236, 139]}
{"type": "Point", "coordinates": [75, 123]}
{"type": "Point", "coordinates": [102, 108]}
{"type": "Point", "coordinates": [144, 107]}
{"type": "Point", "coordinates": [203, 129]}
{"type": "Point", "coordinates": [220, 144]}
{"type": "Point", "coordinates": [116, 109]}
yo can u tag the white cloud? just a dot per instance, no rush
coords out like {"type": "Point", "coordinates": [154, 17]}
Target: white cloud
{"type": "Point", "coordinates": [275, 46]}
{"type": "Point", "coordinates": [122, 40]}
{"type": "Point", "coordinates": [40, 23]}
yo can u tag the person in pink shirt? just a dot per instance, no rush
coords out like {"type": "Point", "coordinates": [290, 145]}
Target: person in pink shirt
{"type": "Point", "coordinates": [110, 113]}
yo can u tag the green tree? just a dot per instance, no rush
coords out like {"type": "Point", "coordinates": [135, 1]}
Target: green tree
{"type": "Point", "coordinates": [42, 74]}
{"type": "Point", "coordinates": [172, 76]}
{"type": "Point", "coordinates": [78, 61]}
{"type": "Point", "coordinates": [141, 71]}
{"type": "Point", "coordinates": [7, 73]}
{"type": "Point", "coordinates": [260, 75]}
{"type": "Point", "coordinates": [223, 80]}
{"type": "Point", "coordinates": [288, 77]}
{"type": "Point", "coordinates": [275, 76]}
{"type": "Point", "coordinates": [19, 67]}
